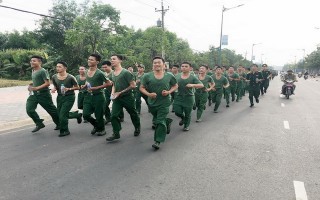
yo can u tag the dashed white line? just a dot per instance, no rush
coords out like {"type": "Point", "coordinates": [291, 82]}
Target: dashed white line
{"type": "Point", "coordinates": [286, 125]}
{"type": "Point", "coordinates": [300, 190]}
{"type": "Point", "coordinates": [283, 105]}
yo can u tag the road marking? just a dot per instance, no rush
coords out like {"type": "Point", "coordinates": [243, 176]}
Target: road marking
{"type": "Point", "coordinates": [6, 133]}
{"type": "Point", "coordinates": [282, 105]}
{"type": "Point", "coordinates": [286, 124]}
{"type": "Point", "coordinates": [300, 190]}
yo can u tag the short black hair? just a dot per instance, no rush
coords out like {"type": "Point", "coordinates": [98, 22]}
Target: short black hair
{"type": "Point", "coordinates": [158, 57]}
{"type": "Point", "coordinates": [206, 66]}
{"type": "Point", "coordinates": [254, 65]}
{"type": "Point", "coordinates": [218, 67]}
{"type": "Point", "coordinates": [38, 57]}
{"type": "Point", "coordinates": [97, 56]}
{"type": "Point", "coordinates": [63, 63]}
{"type": "Point", "coordinates": [106, 62]}
{"type": "Point", "coordinates": [185, 62]}
{"type": "Point", "coordinates": [177, 66]}
{"type": "Point", "coordinates": [120, 57]}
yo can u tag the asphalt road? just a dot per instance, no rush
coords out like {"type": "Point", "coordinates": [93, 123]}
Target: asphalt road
{"type": "Point", "coordinates": [268, 152]}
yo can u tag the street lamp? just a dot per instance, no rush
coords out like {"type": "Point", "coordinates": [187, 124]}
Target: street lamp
{"type": "Point", "coordinates": [223, 10]}
{"type": "Point", "coordinates": [252, 50]}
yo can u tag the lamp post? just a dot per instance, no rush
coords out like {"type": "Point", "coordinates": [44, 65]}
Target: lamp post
{"type": "Point", "coordinates": [252, 50]}
{"type": "Point", "coordinates": [223, 10]}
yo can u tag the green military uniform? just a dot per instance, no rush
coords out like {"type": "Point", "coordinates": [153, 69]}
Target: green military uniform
{"type": "Point", "coordinates": [138, 94]}
{"type": "Point", "coordinates": [243, 84]}
{"type": "Point", "coordinates": [210, 92]}
{"type": "Point", "coordinates": [201, 95]}
{"type": "Point", "coordinates": [184, 98]}
{"type": "Point", "coordinates": [42, 97]}
{"type": "Point", "coordinates": [81, 93]}
{"type": "Point", "coordinates": [217, 93]}
{"type": "Point", "coordinates": [95, 101]}
{"type": "Point", "coordinates": [232, 89]}
{"type": "Point", "coordinates": [254, 86]}
{"type": "Point", "coordinates": [65, 101]}
{"type": "Point", "coordinates": [125, 100]}
{"type": "Point", "coordinates": [159, 107]}
{"type": "Point", "coordinates": [265, 83]}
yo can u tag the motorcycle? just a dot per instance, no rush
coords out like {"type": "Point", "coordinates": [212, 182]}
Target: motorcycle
{"type": "Point", "coordinates": [299, 75]}
{"type": "Point", "coordinates": [288, 88]}
{"type": "Point", "coordinates": [305, 77]}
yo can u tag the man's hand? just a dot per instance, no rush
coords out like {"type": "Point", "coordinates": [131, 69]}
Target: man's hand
{"type": "Point", "coordinates": [189, 85]}
{"type": "Point", "coordinates": [152, 95]}
{"type": "Point", "coordinates": [165, 93]}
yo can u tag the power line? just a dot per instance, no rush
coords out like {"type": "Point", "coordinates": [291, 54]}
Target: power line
{"type": "Point", "coordinates": [25, 11]}
{"type": "Point", "coordinates": [145, 3]}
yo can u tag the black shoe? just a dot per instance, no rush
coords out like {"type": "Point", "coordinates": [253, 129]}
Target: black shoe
{"type": "Point", "coordinates": [38, 127]}
{"type": "Point", "coordinates": [210, 102]}
{"type": "Point", "coordinates": [181, 122]}
{"type": "Point", "coordinates": [232, 99]}
{"type": "Point", "coordinates": [257, 100]}
{"type": "Point", "coordinates": [227, 106]}
{"type": "Point", "coordinates": [121, 119]}
{"type": "Point", "coordinates": [215, 111]}
{"type": "Point", "coordinates": [194, 107]}
{"type": "Point", "coordinates": [101, 133]}
{"type": "Point", "coordinates": [156, 146]}
{"type": "Point", "coordinates": [107, 121]}
{"type": "Point", "coordinates": [137, 132]}
{"type": "Point", "coordinates": [251, 105]}
{"type": "Point", "coordinates": [265, 91]}
{"type": "Point", "coordinates": [186, 129]}
{"type": "Point", "coordinates": [153, 126]}
{"type": "Point", "coordinates": [79, 118]}
{"type": "Point", "coordinates": [56, 128]}
{"type": "Point", "coordinates": [64, 134]}
{"type": "Point", "coordinates": [94, 130]}
{"type": "Point", "coordinates": [113, 137]}
{"type": "Point", "coordinates": [168, 122]}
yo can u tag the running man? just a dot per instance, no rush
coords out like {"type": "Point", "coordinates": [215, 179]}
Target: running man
{"type": "Point", "coordinates": [202, 94]}
{"type": "Point", "coordinates": [184, 99]}
{"type": "Point", "coordinates": [122, 96]}
{"type": "Point", "coordinates": [158, 85]}
{"type": "Point", "coordinates": [94, 100]}
{"type": "Point", "coordinates": [221, 82]}
{"type": "Point", "coordinates": [65, 84]}
{"type": "Point", "coordinates": [40, 94]}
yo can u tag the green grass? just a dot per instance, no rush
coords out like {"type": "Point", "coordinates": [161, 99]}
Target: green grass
{"type": "Point", "coordinates": [11, 83]}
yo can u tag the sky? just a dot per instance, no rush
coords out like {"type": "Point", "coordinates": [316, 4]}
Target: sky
{"type": "Point", "coordinates": [284, 31]}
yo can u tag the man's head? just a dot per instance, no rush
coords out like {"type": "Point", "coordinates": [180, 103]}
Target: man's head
{"type": "Point", "coordinates": [82, 70]}
{"type": "Point", "coordinates": [140, 68]}
{"type": "Point", "coordinates": [186, 67]}
{"type": "Point", "coordinates": [94, 60]}
{"type": "Point", "coordinates": [158, 64]}
{"type": "Point", "coordinates": [218, 70]}
{"type": "Point", "coordinates": [36, 61]}
{"type": "Point", "coordinates": [61, 66]}
{"type": "Point", "coordinates": [116, 59]}
{"type": "Point", "coordinates": [106, 66]}
{"type": "Point", "coordinates": [175, 69]}
{"type": "Point", "coordinates": [264, 66]}
{"type": "Point", "coordinates": [254, 67]}
{"type": "Point", "coordinates": [130, 69]}
{"type": "Point", "coordinates": [290, 72]}
{"type": "Point", "coordinates": [203, 69]}
{"type": "Point", "coordinates": [231, 70]}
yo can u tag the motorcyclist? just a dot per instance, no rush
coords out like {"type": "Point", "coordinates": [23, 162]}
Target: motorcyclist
{"type": "Point", "coordinates": [289, 76]}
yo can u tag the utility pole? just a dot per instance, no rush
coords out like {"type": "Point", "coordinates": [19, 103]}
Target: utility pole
{"type": "Point", "coordinates": [163, 12]}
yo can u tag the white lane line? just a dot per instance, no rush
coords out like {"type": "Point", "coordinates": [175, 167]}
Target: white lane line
{"type": "Point", "coordinates": [286, 125]}
{"type": "Point", "coordinates": [300, 190]}
{"type": "Point", "coordinates": [282, 105]}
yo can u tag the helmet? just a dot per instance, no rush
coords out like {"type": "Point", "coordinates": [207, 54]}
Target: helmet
{"type": "Point", "coordinates": [290, 70]}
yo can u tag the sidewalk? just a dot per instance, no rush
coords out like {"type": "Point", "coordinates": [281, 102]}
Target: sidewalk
{"type": "Point", "coordinates": [13, 108]}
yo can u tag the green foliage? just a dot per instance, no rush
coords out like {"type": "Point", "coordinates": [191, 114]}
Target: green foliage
{"type": "Point", "coordinates": [14, 63]}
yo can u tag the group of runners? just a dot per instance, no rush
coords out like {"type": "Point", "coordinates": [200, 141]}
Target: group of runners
{"type": "Point", "coordinates": [177, 87]}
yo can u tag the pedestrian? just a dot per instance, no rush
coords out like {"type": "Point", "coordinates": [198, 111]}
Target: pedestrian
{"type": "Point", "coordinates": [201, 94]}
{"type": "Point", "coordinates": [94, 100]}
{"type": "Point", "coordinates": [233, 79]}
{"type": "Point", "coordinates": [158, 85]}
{"type": "Point", "coordinates": [184, 99]}
{"type": "Point", "coordinates": [81, 80]}
{"type": "Point", "coordinates": [221, 82]}
{"type": "Point", "coordinates": [266, 75]}
{"type": "Point", "coordinates": [65, 84]}
{"type": "Point", "coordinates": [40, 94]}
{"type": "Point", "coordinates": [122, 96]}
{"type": "Point", "coordinates": [254, 79]}
{"type": "Point", "coordinates": [138, 94]}
{"type": "Point", "coordinates": [175, 72]}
